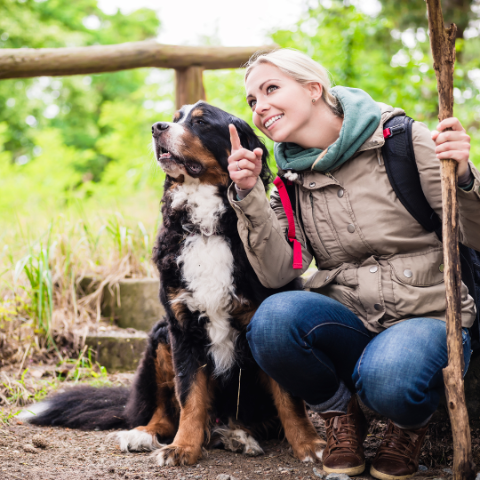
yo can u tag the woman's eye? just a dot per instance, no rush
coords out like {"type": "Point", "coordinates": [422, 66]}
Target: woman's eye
{"type": "Point", "coordinates": [271, 88]}
{"type": "Point", "coordinates": [252, 103]}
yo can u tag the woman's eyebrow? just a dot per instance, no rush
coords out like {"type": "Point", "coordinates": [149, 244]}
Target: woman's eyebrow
{"type": "Point", "coordinates": [261, 86]}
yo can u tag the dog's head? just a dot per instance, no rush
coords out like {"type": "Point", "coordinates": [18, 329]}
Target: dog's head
{"type": "Point", "coordinates": [197, 144]}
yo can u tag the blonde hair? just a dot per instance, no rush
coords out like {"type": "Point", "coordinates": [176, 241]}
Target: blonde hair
{"type": "Point", "coordinates": [301, 68]}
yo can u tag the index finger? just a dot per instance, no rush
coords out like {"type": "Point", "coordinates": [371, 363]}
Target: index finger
{"type": "Point", "coordinates": [452, 123]}
{"type": "Point", "coordinates": [234, 138]}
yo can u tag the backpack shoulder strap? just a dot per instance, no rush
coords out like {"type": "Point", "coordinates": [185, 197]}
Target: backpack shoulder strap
{"type": "Point", "coordinates": [402, 172]}
{"type": "Point", "coordinates": [285, 194]}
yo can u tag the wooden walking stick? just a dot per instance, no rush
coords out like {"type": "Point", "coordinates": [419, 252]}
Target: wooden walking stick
{"type": "Point", "coordinates": [442, 41]}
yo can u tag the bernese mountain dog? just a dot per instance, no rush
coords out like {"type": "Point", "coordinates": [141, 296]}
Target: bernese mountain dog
{"type": "Point", "coordinates": [197, 384]}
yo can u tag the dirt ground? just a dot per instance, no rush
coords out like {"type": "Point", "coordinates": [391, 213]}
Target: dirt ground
{"type": "Point", "coordinates": [29, 452]}
{"type": "Point", "coordinates": [75, 455]}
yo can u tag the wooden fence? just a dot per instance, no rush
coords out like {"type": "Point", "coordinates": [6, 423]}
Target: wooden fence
{"type": "Point", "coordinates": [188, 62]}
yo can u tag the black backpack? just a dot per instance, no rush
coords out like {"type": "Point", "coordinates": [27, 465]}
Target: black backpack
{"type": "Point", "coordinates": [402, 171]}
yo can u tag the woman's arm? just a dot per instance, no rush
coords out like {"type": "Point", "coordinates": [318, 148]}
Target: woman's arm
{"type": "Point", "coordinates": [262, 227]}
{"type": "Point", "coordinates": [263, 230]}
{"type": "Point", "coordinates": [456, 145]}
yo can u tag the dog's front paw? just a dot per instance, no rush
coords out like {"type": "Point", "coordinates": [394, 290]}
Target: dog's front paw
{"type": "Point", "coordinates": [252, 448]}
{"type": "Point", "coordinates": [135, 440]}
{"type": "Point", "coordinates": [310, 451]}
{"type": "Point", "coordinates": [176, 455]}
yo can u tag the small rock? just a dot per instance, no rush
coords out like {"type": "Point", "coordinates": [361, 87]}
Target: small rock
{"type": "Point", "coordinates": [224, 476]}
{"type": "Point", "coordinates": [448, 470]}
{"type": "Point", "coordinates": [337, 476]}
{"type": "Point", "coordinates": [319, 473]}
{"type": "Point", "coordinates": [111, 470]}
{"type": "Point", "coordinates": [422, 468]}
{"type": "Point", "coordinates": [39, 441]}
{"type": "Point", "coordinates": [29, 448]}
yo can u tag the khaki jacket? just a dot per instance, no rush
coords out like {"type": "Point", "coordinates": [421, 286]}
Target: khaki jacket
{"type": "Point", "coordinates": [371, 254]}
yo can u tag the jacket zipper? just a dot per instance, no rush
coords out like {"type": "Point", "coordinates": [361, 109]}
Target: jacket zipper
{"type": "Point", "coordinates": [315, 223]}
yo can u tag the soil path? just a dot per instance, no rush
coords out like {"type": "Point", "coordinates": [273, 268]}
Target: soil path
{"type": "Point", "coordinates": [75, 455]}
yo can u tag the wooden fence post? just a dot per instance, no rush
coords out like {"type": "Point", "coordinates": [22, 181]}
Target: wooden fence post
{"type": "Point", "coordinates": [189, 87]}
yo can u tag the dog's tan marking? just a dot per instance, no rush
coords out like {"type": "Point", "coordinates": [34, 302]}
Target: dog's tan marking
{"type": "Point", "coordinates": [193, 148]}
{"type": "Point", "coordinates": [186, 448]}
{"type": "Point", "coordinates": [160, 423]}
{"type": "Point", "coordinates": [177, 115]}
{"type": "Point", "coordinates": [197, 113]}
{"type": "Point", "coordinates": [242, 311]}
{"type": "Point", "coordinates": [299, 430]}
{"type": "Point", "coordinates": [179, 308]}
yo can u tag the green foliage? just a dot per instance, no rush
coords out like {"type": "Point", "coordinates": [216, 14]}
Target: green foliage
{"type": "Point", "coordinates": [412, 14]}
{"type": "Point", "coordinates": [71, 105]}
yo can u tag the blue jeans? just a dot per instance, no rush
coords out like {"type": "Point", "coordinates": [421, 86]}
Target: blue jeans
{"type": "Point", "coordinates": [308, 343]}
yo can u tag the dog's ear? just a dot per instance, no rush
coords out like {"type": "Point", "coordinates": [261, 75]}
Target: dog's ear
{"type": "Point", "coordinates": [251, 141]}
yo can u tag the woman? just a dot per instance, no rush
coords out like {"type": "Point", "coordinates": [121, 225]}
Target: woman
{"type": "Point", "coordinates": [377, 327]}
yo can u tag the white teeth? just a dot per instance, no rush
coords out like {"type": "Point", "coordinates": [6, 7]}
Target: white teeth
{"type": "Point", "coordinates": [272, 120]}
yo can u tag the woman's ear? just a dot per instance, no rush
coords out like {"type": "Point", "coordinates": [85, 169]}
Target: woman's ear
{"type": "Point", "coordinates": [315, 90]}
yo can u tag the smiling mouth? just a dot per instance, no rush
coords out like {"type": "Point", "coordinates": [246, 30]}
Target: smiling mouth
{"type": "Point", "coordinates": [273, 120]}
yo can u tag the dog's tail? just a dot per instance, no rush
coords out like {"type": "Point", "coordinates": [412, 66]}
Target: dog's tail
{"type": "Point", "coordinates": [105, 408]}
{"type": "Point", "coordinates": [84, 407]}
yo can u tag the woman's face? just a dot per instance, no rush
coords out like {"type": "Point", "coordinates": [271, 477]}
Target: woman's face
{"type": "Point", "coordinates": [281, 106]}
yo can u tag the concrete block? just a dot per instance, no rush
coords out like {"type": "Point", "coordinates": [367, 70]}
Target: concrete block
{"type": "Point", "coordinates": [134, 303]}
{"type": "Point", "coordinates": [118, 350]}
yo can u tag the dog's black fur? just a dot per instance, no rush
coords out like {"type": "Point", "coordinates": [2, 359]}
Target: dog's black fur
{"type": "Point", "coordinates": [193, 150]}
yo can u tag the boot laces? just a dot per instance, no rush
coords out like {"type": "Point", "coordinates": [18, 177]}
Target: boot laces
{"type": "Point", "coordinates": [343, 433]}
{"type": "Point", "coordinates": [398, 443]}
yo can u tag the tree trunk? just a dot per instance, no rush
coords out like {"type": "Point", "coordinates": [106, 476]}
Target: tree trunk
{"type": "Point", "coordinates": [30, 62]}
{"type": "Point", "coordinates": [189, 86]}
{"type": "Point", "coordinates": [442, 41]}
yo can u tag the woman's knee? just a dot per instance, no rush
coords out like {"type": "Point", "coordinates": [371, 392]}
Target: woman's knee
{"type": "Point", "coordinates": [400, 372]}
{"type": "Point", "coordinates": [273, 327]}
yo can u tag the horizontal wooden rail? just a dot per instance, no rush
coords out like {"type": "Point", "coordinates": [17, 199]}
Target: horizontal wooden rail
{"type": "Point", "coordinates": [31, 62]}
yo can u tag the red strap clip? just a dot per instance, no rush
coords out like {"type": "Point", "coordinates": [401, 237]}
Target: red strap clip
{"type": "Point", "coordinates": [387, 133]}
{"type": "Point", "coordinates": [287, 206]}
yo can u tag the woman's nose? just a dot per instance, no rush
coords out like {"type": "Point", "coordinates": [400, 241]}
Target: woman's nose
{"type": "Point", "coordinates": [261, 106]}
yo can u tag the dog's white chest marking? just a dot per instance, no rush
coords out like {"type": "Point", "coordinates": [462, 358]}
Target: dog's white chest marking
{"type": "Point", "coordinates": [207, 268]}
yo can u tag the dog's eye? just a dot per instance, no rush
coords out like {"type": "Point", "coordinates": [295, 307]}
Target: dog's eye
{"type": "Point", "coordinates": [195, 167]}
{"type": "Point", "coordinates": [200, 122]}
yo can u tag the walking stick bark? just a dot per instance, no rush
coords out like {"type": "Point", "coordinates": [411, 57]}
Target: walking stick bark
{"type": "Point", "coordinates": [442, 41]}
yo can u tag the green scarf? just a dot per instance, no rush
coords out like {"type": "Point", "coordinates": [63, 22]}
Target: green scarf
{"type": "Point", "coordinates": [361, 119]}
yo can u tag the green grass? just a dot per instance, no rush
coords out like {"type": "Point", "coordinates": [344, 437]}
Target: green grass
{"type": "Point", "coordinates": [46, 254]}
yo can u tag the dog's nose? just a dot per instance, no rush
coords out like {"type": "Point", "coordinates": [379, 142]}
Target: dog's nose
{"type": "Point", "coordinates": [159, 127]}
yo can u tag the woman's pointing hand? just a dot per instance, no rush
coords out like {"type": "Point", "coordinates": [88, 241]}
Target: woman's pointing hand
{"type": "Point", "coordinates": [244, 166]}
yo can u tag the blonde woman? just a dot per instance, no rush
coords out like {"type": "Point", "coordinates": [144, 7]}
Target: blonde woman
{"type": "Point", "coordinates": [376, 328]}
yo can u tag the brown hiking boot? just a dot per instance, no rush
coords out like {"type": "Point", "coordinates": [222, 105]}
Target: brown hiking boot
{"type": "Point", "coordinates": [397, 455]}
{"type": "Point", "coordinates": [345, 435]}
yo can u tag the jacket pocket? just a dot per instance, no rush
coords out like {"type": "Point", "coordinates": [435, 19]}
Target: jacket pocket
{"type": "Point", "coordinates": [321, 278]}
{"type": "Point", "coordinates": [418, 285]}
